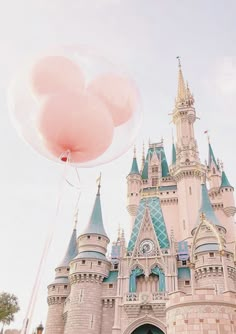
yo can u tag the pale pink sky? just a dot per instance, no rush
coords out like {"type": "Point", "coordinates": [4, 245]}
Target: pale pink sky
{"type": "Point", "coordinates": [144, 36]}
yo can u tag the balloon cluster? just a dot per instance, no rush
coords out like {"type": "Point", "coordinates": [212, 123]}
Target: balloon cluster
{"type": "Point", "coordinates": [93, 117]}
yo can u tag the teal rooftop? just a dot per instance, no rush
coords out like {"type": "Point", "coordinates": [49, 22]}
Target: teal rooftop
{"type": "Point", "coordinates": [71, 251]}
{"type": "Point", "coordinates": [95, 225]}
{"type": "Point", "coordinates": [206, 207]}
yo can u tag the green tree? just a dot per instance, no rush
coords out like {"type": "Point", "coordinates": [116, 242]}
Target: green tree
{"type": "Point", "coordinates": [8, 307]}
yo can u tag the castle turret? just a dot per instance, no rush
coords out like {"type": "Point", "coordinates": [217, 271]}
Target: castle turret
{"type": "Point", "coordinates": [59, 290]}
{"type": "Point", "coordinates": [227, 194]}
{"type": "Point", "coordinates": [186, 169]}
{"type": "Point", "coordinates": [213, 170]}
{"type": "Point", "coordinates": [87, 272]}
{"type": "Point", "coordinates": [134, 186]}
{"type": "Point", "coordinates": [212, 262]}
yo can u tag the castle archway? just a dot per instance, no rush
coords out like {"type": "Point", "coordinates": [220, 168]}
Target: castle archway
{"type": "Point", "coordinates": [147, 329]}
{"type": "Point", "coordinates": [146, 325]}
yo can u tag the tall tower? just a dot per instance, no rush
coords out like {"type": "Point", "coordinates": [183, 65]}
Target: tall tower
{"type": "Point", "coordinates": [134, 182]}
{"type": "Point", "coordinates": [187, 169]}
{"type": "Point", "coordinates": [59, 290]}
{"type": "Point", "coordinates": [87, 272]}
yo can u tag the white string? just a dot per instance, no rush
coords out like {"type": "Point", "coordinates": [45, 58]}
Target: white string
{"type": "Point", "coordinates": [41, 267]}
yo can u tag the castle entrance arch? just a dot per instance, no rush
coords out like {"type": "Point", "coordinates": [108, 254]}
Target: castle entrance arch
{"type": "Point", "coordinates": [147, 329]}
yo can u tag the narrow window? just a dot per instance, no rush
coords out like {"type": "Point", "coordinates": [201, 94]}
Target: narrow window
{"type": "Point", "coordinates": [184, 263]}
{"type": "Point", "coordinates": [88, 236]}
{"type": "Point", "coordinates": [91, 321]}
{"type": "Point", "coordinates": [154, 181]}
{"type": "Point", "coordinates": [81, 295]}
{"type": "Point", "coordinates": [190, 191]}
{"type": "Point", "coordinates": [211, 254]}
{"type": "Point", "coordinates": [65, 286]}
{"type": "Point", "coordinates": [99, 263]}
{"type": "Point", "coordinates": [110, 286]}
{"type": "Point", "coordinates": [186, 283]}
{"type": "Point", "coordinates": [99, 238]}
{"type": "Point", "coordinates": [83, 261]}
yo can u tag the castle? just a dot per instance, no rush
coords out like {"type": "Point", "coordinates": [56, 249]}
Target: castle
{"type": "Point", "coordinates": [176, 274]}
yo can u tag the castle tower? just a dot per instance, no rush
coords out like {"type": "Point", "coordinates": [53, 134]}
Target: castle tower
{"type": "Point", "coordinates": [227, 194]}
{"type": "Point", "coordinates": [187, 170]}
{"type": "Point", "coordinates": [210, 307]}
{"type": "Point", "coordinates": [208, 248]}
{"type": "Point", "coordinates": [213, 170]}
{"type": "Point", "coordinates": [134, 186]}
{"type": "Point", "coordinates": [87, 272]}
{"type": "Point", "coordinates": [59, 290]}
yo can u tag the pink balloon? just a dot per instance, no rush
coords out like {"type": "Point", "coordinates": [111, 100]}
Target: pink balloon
{"type": "Point", "coordinates": [75, 122]}
{"type": "Point", "coordinates": [118, 93]}
{"type": "Point", "coordinates": [53, 74]}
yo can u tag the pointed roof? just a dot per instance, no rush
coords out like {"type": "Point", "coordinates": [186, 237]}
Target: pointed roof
{"type": "Point", "coordinates": [95, 225]}
{"type": "Point", "coordinates": [157, 218]}
{"type": "Point", "coordinates": [211, 157]}
{"type": "Point", "coordinates": [173, 154]}
{"type": "Point", "coordinates": [206, 207]}
{"type": "Point", "coordinates": [71, 251]}
{"type": "Point", "coordinates": [224, 180]}
{"type": "Point", "coordinates": [181, 94]}
{"type": "Point", "coordinates": [145, 168]}
{"type": "Point", "coordinates": [134, 168]}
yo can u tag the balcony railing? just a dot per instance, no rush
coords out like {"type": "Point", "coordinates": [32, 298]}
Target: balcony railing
{"type": "Point", "coordinates": [145, 297]}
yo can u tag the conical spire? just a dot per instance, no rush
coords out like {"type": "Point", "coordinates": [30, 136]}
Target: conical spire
{"type": "Point", "coordinates": [206, 207]}
{"type": "Point", "coordinates": [173, 154]}
{"type": "Point", "coordinates": [224, 180]}
{"type": "Point", "coordinates": [181, 94]}
{"type": "Point", "coordinates": [134, 168]}
{"type": "Point", "coordinates": [71, 251]}
{"type": "Point", "coordinates": [145, 168]}
{"type": "Point", "coordinates": [211, 156]}
{"type": "Point", "coordinates": [95, 225]}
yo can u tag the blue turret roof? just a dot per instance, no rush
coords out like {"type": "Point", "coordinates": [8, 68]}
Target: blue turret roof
{"type": "Point", "coordinates": [224, 180]}
{"type": "Point", "coordinates": [134, 168]}
{"type": "Point", "coordinates": [211, 157]}
{"type": "Point", "coordinates": [206, 207]}
{"type": "Point", "coordinates": [71, 251]}
{"type": "Point", "coordinates": [95, 225]}
{"type": "Point", "coordinates": [173, 154]}
{"type": "Point", "coordinates": [145, 169]}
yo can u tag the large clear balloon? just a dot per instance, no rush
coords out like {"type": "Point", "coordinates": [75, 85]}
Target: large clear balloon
{"type": "Point", "coordinates": [71, 102]}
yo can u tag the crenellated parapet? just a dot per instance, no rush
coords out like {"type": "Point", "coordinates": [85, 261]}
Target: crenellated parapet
{"type": "Point", "coordinates": [89, 278]}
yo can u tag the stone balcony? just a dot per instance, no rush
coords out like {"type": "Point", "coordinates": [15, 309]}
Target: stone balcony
{"type": "Point", "coordinates": [145, 297]}
{"type": "Point", "coordinates": [136, 303]}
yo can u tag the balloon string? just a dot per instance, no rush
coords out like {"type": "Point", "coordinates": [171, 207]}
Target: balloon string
{"type": "Point", "coordinates": [41, 267]}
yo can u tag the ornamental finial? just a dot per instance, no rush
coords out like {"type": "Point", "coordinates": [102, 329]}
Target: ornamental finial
{"type": "Point", "coordinates": [179, 62]}
{"type": "Point", "coordinates": [98, 181]}
{"type": "Point", "coordinates": [134, 151]}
